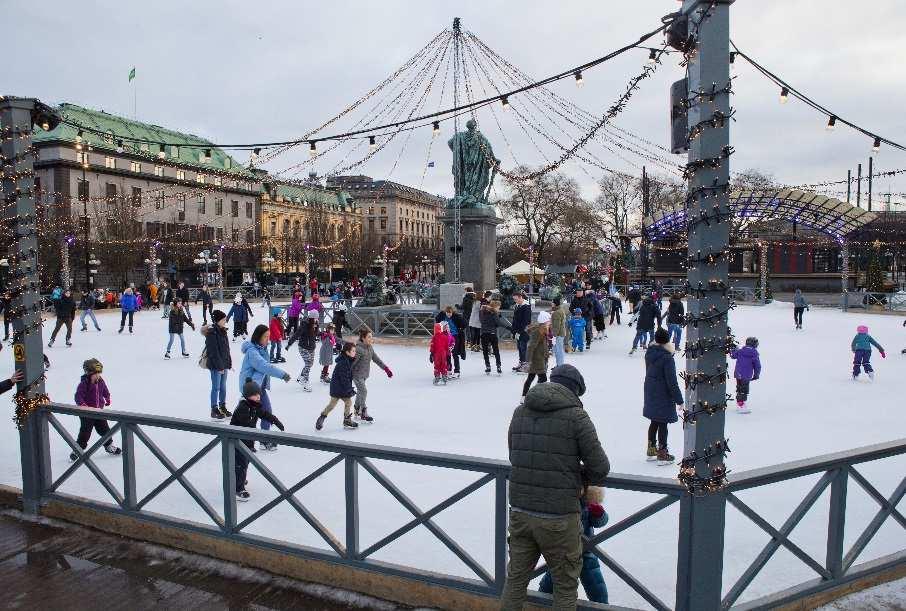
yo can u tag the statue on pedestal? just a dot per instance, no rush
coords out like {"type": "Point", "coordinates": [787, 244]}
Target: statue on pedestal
{"type": "Point", "coordinates": [474, 168]}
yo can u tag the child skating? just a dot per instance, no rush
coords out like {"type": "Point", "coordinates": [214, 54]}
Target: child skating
{"type": "Point", "coordinates": [246, 414]}
{"type": "Point", "coordinates": [277, 330]}
{"type": "Point", "coordinates": [341, 388]}
{"type": "Point", "coordinates": [861, 347]}
{"type": "Point", "coordinates": [327, 351]}
{"type": "Point", "coordinates": [92, 393]}
{"type": "Point", "coordinates": [240, 312]}
{"type": "Point", "coordinates": [175, 325]}
{"type": "Point", "coordinates": [577, 330]}
{"type": "Point", "coordinates": [439, 353]}
{"type": "Point", "coordinates": [361, 369]}
{"type": "Point", "coordinates": [748, 369]}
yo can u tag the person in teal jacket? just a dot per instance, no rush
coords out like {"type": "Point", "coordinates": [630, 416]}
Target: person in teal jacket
{"type": "Point", "coordinates": [861, 347]}
{"type": "Point", "coordinates": [256, 366]}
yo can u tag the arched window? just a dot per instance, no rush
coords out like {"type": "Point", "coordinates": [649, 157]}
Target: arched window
{"type": "Point", "coordinates": [286, 227]}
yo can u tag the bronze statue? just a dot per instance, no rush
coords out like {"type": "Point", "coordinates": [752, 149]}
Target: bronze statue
{"type": "Point", "coordinates": [474, 167]}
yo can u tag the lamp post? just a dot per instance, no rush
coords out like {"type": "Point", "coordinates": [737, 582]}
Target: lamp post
{"type": "Point", "coordinates": [93, 263]}
{"type": "Point", "coordinates": [220, 273]}
{"type": "Point", "coordinates": [152, 261]}
{"type": "Point", "coordinates": [205, 258]}
{"type": "Point", "coordinates": [4, 269]}
{"type": "Point", "coordinates": [64, 260]}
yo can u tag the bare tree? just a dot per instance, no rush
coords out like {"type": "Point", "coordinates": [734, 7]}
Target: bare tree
{"type": "Point", "coordinates": [619, 205]}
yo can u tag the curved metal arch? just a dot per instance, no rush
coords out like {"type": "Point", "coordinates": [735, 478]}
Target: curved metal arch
{"type": "Point", "coordinates": [829, 215]}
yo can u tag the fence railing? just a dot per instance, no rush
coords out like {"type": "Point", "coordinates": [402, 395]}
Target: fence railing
{"type": "Point", "coordinates": [888, 301]}
{"type": "Point", "coordinates": [839, 566]}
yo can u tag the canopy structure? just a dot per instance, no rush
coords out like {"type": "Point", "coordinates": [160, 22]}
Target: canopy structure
{"type": "Point", "coordinates": [522, 268]}
{"type": "Point", "coordinates": [828, 215]}
{"type": "Point", "coordinates": [560, 269]}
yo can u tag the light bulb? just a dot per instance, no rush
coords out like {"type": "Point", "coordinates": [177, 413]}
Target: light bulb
{"type": "Point", "coordinates": [313, 149]}
{"type": "Point", "coordinates": [505, 103]}
{"type": "Point", "coordinates": [784, 95]}
{"type": "Point", "coordinates": [436, 128]}
{"type": "Point", "coordinates": [372, 143]}
{"type": "Point", "coordinates": [579, 79]}
{"type": "Point", "coordinates": [652, 57]}
{"type": "Point", "coordinates": [877, 145]}
{"type": "Point", "coordinates": [831, 122]}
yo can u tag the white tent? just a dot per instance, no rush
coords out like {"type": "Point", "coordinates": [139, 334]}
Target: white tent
{"type": "Point", "coordinates": [522, 268]}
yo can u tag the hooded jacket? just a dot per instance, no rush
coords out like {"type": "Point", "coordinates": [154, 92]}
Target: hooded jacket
{"type": "Point", "coordinates": [676, 312]}
{"type": "Point", "coordinates": [128, 302]}
{"type": "Point", "coordinates": [341, 380]}
{"type": "Point", "coordinates": [247, 414]}
{"type": "Point", "coordinates": [468, 301]}
{"type": "Point", "coordinates": [240, 311]}
{"type": "Point", "coordinates": [554, 451]}
{"type": "Point", "coordinates": [538, 350]}
{"type": "Point", "coordinates": [647, 313]}
{"type": "Point", "coordinates": [439, 347]}
{"type": "Point", "coordinates": [799, 300]}
{"type": "Point", "coordinates": [276, 329]}
{"type": "Point", "coordinates": [256, 365]}
{"type": "Point", "coordinates": [178, 320]}
{"type": "Point", "coordinates": [92, 395]}
{"type": "Point", "coordinates": [748, 364]}
{"type": "Point", "coordinates": [294, 307]}
{"type": "Point", "coordinates": [490, 319]}
{"type": "Point", "coordinates": [64, 307]}
{"type": "Point", "coordinates": [558, 322]}
{"type": "Point", "coordinates": [864, 341]}
{"type": "Point", "coordinates": [662, 391]}
{"type": "Point", "coordinates": [217, 348]}
{"type": "Point", "coordinates": [475, 315]}
{"type": "Point", "coordinates": [305, 334]}
{"type": "Point", "coordinates": [364, 355]}
{"type": "Point", "coordinates": [522, 318]}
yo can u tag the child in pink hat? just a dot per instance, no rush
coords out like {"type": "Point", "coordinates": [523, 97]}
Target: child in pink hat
{"type": "Point", "coordinates": [861, 347]}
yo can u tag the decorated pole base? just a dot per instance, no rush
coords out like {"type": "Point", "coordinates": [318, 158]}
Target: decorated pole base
{"type": "Point", "coordinates": [478, 260]}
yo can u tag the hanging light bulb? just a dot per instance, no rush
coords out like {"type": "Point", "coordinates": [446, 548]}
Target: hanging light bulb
{"type": "Point", "coordinates": [579, 79]}
{"type": "Point", "coordinates": [119, 146]}
{"type": "Point", "coordinates": [831, 122]}
{"type": "Point", "coordinates": [784, 95]}
{"type": "Point", "coordinates": [161, 152]}
{"type": "Point", "coordinates": [78, 145]}
{"type": "Point", "coordinates": [45, 126]}
{"type": "Point", "coordinates": [313, 149]}
{"type": "Point", "coordinates": [435, 129]}
{"type": "Point", "coordinates": [732, 60]}
{"type": "Point", "coordinates": [877, 145]}
{"type": "Point", "coordinates": [207, 155]}
{"type": "Point", "coordinates": [372, 143]}
{"type": "Point", "coordinates": [652, 56]}
{"type": "Point", "coordinates": [505, 102]}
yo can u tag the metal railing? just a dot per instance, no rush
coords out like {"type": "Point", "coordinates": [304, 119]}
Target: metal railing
{"type": "Point", "coordinates": [405, 322]}
{"type": "Point", "coordinates": [838, 568]}
{"type": "Point", "coordinates": [892, 302]}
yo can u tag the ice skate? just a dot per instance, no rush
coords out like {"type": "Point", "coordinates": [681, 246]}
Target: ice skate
{"type": "Point", "coordinates": [243, 496]}
{"type": "Point", "coordinates": [455, 376]}
{"type": "Point", "coordinates": [130, 329]}
{"type": "Point", "coordinates": [325, 380]}
{"type": "Point", "coordinates": [444, 379]}
{"type": "Point", "coordinates": [499, 370]}
{"type": "Point", "coordinates": [68, 343]}
{"type": "Point", "coordinates": [215, 414]}
{"type": "Point", "coordinates": [185, 354]}
{"type": "Point", "coordinates": [436, 380]}
{"type": "Point", "coordinates": [487, 371]}
{"type": "Point", "coordinates": [50, 344]}
{"type": "Point", "coordinates": [319, 423]}
{"type": "Point", "coordinates": [166, 355]}
{"type": "Point", "coordinates": [121, 330]}
{"type": "Point", "coordinates": [871, 375]}
{"type": "Point", "coordinates": [223, 410]}
{"type": "Point", "coordinates": [112, 449]}
{"type": "Point", "coordinates": [306, 386]}
{"type": "Point", "coordinates": [631, 352]}
{"type": "Point", "coordinates": [651, 452]}
{"type": "Point", "coordinates": [363, 415]}
{"type": "Point", "coordinates": [281, 359]}
{"type": "Point", "coordinates": [349, 423]}
{"type": "Point", "coordinates": [741, 408]}
{"type": "Point", "coordinates": [664, 458]}
{"type": "Point", "coordinates": [84, 328]}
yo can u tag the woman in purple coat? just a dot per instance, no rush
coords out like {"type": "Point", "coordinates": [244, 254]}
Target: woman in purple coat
{"type": "Point", "coordinates": [748, 368]}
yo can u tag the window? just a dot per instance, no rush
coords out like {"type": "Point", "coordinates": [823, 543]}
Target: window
{"type": "Point", "coordinates": [201, 204]}
{"type": "Point", "coordinates": [181, 206]}
{"type": "Point", "coordinates": [296, 229]}
{"type": "Point", "coordinates": [83, 190]}
{"type": "Point", "coordinates": [136, 196]}
{"type": "Point", "coordinates": [383, 209]}
{"type": "Point", "coordinates": [383, 223]}
{"type": "Point", "coordinates": [135, 166]}
{"type": "Point", "coordinates": [273, 227]}
{"type": "Point", "coordinates": [110, 162]}
{"type": "Point", "coordinates": [249, 236]}
{"type": "Point", "coordinates": [110, 191]}
{"type": "Point", "coordinates": [218, 181]}
{"type": "Point", "coordinates": [401, 225]}
{"type": "Point", "coordinates": [228, 162]}
{"type": "Point", "coordinates": [82, 157]}
{"type": "Point", "coordinates": [370, 209]}
{"type": "Point", "coordinates": [248, 210]}
{"type": "Point", "coordinates": [158, 170]}
{"type": "Point", "coordinates": [108, 137]}
{"type": "Point", "coordinates": [144, 146]}
{"type": "Point", "coordinates": [199, 178]}
{"type": "Point", "coordinates": [180, 174]}
{"type": "Point", "coordinates": [218, 206]}
{"type": "Point", "coordinates": [234, 209]}
{"type": "Point", "coordinates": [159, 200]}
{"type": "Point", "coordinates": [235, 235]}
{"type": "Point", "coordinates": [220, 234]}
{"type": "Point", "coordinates": [371, 225]}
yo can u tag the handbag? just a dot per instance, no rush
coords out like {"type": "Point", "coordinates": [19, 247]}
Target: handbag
{"type": "Point", "coordinates": [203, 359]}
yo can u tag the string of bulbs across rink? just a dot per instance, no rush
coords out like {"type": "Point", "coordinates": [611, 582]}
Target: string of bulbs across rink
{"type": "Point", "coordinates": [803, 405]}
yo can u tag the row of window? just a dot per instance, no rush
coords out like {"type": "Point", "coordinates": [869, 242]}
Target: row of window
{"type": "Point", "coordinates": [161, 230]}
{"type": "Point", "coordinates": [335, 231]}
{"type": "Point", "coordinates": [111, 192]}
{"type": "Point", "coordinates": [159, 170]}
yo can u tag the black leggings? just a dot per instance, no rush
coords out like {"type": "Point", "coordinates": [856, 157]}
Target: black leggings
{"type": "Point", "coordinates": [489, 342]}
{"type": "Point", "coordinates": [797, 315]}
{"type": "Point", "coordinates": [542, 378]}
{"type": "Point", "coordinates": [86, 425]}
{"type": "Point", "coordinates": [660, 430]}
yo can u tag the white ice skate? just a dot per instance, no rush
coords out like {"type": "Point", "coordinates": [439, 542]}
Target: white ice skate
{"type": "Point", "coordinates": [306, 387]}
{"type": "Point", "coordinates": [742, 408]}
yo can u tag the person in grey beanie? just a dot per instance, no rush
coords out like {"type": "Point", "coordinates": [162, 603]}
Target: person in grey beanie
{"type": "Point", "coordinates": [555, 453]}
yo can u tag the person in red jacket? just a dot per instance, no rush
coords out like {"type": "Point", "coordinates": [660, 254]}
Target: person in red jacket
{"type": "Point", "coordinates": [441, 343]}
{"type": "Point", "coordinates": [277, 332]}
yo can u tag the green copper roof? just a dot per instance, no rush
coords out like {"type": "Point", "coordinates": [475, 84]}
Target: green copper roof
{"type": "Point", "coordinates": [122, 128]}
{"type": "Point", "coordinates": [313, 195]}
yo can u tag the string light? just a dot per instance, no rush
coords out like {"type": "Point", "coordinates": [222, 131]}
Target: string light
{"type": "Point", "coordinates": [877, 145]}
{"type": "Point", "coordinates": [831, 122]}
{"type": "Point", "coordinates": [732, 60]}
{"type": "Point", "coordinates": [579, 79]}
{"type": "Point", "coordinates": [313, 149]}
{"type": "Point", "coordinates": [784, 95]}
{"type": "Point", "coordinates": [372, 143]}
{"type": "Point", "coordinates": [119, 146]}
{"type": "Point", "coordinates": [504, 101]}
{"type": "Point", "coordinates": [78, 137]}
{"type": "Point", "coordinates": [161, 152]}
{"type": "Point", "coordinates": [652, 56]}
{"type": "Point", "coordinates": [207, 156]}
{"type": "Point", "coordinates": [436, 128]}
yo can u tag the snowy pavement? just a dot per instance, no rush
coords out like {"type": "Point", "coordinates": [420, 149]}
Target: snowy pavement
{"type": "Point", "coordinates": [805, 404]}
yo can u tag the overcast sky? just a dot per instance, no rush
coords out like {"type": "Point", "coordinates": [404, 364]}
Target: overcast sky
{"type": "Point", "coordinates": [241, 71]}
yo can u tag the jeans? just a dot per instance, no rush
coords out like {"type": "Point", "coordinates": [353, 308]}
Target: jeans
{"type": "Point", "coordinates": [797, 316]}
{"type": "Point", "coordinates": [166, 313]}
{"type": "Point", "coordinates": [522, 345]}
{"type": "Point", "coordinates": [676, 333]}
{"type": "Point", "coordinates": [861, 359]}
{"type": "Point", "coordinates": [90, 314]}
{"type": "Point", "coordinates": [559, 541]}
{"type": "Point", "coordinates": [218, 387]}
{"type": "Point", "coordinates": [182, 342]}
{"type": "Point", "coordinates": [657, 431]}
{"type": "Point", "coordinates": [126, 314]}
{"type": "Point", "coordinates": [559, 355]}
{"type": "Point", "coordinates": [278, 346]}
{"type": "Point", "coordinates": [265, 407]}
{"type": "Point", "coordinates": [641, 338]}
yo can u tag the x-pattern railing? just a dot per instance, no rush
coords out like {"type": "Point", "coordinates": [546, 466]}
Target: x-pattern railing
{"type": "Point", "coordinates": [835, 471]}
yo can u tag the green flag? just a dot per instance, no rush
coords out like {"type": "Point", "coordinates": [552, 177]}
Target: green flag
{"type": "Point", "coordinates": [132, 74]}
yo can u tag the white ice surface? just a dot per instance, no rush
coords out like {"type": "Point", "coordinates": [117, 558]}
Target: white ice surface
{"type": "Point", "coordinates": [804, 405]}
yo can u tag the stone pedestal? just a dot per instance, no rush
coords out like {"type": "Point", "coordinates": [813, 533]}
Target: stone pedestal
{"type": "Point", "coordinates": [478, 263]}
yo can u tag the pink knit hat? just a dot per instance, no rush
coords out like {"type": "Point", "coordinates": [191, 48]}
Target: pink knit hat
{"type": "Point", "coordinates": [862, 329]}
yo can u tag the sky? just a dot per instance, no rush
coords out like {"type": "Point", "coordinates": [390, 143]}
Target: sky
{"type": "Point", "coordinates": [235, 71]}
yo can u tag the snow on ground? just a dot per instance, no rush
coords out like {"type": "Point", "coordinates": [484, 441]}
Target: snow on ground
{"type": "Point", "coordinates": [804, 405]}
{"type": "Point", "coordinates": [889, 596]}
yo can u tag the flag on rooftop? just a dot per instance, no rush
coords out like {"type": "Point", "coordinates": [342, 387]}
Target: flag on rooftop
{"type": "Point", "coordinates": [132, 74]}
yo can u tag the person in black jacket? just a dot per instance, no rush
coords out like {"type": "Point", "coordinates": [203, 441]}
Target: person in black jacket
{"type": "Point", "coordinates": [339, 321]}
{"type": "Point", "coordinates": [633, 297]}
{"type": "Point", "coordinates": [219, 362]}
{"type": "Point", "coordinates": [87, 303]}
{"type": "Point", "coordinates": [583, 302]}
{"type": "Point", "coordinates": [207, 303]}
{"type": "Point", "coordinates": [64, 308]}
{"type": "Point", "coordinates": [522, 318]}
{"type": "Point", "coordinates": [7, 384]}
{"type": "Point", "coordinates": [676, 319]}
{"type": "Point", "coordinates": [247, 413]}
{"type": "Point", "coordinates": [5, 302]}
{"type": "Point", "coordinates": [176, 323]}
{"type": "Point", "coordinates": [182, 293]}
{"type": "Point", "coordinates": [490, 318]}
{"type": "Point", "coordinates": [468, 300]}
{"type": "Point", "coordinates": [341, 388]}
{"type": "Point", "coordinates": [644, 330]}
{"type": "Point", "coordinates": [306, 334]}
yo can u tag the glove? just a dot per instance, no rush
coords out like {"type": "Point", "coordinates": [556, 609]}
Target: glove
{"type": "Point", "coordinates": [278, 424]}
{"type": "Point", "coordinates": [430, 357]}
{"type": "Point", "coordinates": [755, 378]}
{"type": "Point", "coordinates": [286, 377]}
{"type": "Point", "coordinates": [883, 354]}
{"type": "Point", "coordinates": [595, 511]}
{"type": "Point", "coordinates": [388, 372]}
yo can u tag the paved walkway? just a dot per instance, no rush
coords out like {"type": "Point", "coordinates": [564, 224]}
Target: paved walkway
{"type": "Point", "coordinates": [49, 567]}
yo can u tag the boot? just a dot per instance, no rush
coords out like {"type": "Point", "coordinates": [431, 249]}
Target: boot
{"type": "Point", "coordinates": [121, 330]}
{"type": "Point", "coordinates": [487, 371]}
{"type": "Point", "coordinates": [349, 423]}
{"type": "Point", "coordinates": [325, 380]}
{"type": "Point", "coordinates": [112, 449]}
{"type": "Point", "coordinates": [499, 370]}
{"type": "Point", "coordinates": [69, 343]}
{"type": "Point", "coordinates": [306, 386]}
{"type": "Point", "coordinates": [436, 379]}
{"type": "Point", "coordinates": [243, 496]}
{"type": "Point", "coordinates": [741, 407]}
{"type": "Point", "coordinates": [651, 452]}
{"type": "Point", "coordinates": [185, 354]}
{"type": "Point", "coordinates": [215, 413]}
{"type": "Point", "coordinates": [664, 457]}
{"type": "Point", "coordinates": [364, 415]}
{"type": "Point", "coordinates": [84, 328]}
{"type": "Point", "coordinates": [130, 328]}
{"type": "Point", "coordinates": [319, 423]}
{"type": "Point", "coordinates": [50, 344]}
{"type": "Point", "coordinates": [223, 410]}
{"type": "Point", "coordinates": [166, 355]}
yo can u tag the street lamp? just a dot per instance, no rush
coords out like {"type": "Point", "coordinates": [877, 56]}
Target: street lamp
{"type": "Point", "coordinates": [205, 258]}
{"type": "Point", "coordinates": [152, 261]}
{"type": "Point", "coordinates": [93, 263]}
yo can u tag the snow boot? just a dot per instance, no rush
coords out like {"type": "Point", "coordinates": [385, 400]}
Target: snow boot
{"type": "Point", "coordinates": [664, 457]}
{"type": "Point", "coordinates": [349, 423]}
{"type": "Point", "coordinates": [319, 423]}
{"type": "Point", "coordinates": [436, 380]}
{"type": "Point", "coordinates": [651, 452]}
{"type": "Point", "coordinates": [364, 415]}
{"type": "Point", "coordinates": [112, 449]}
{"type": "Point", "coordinates": [215, 413]}
{"type": "Point", "coordinates": [243, 496]}
{"type": "Point", "coordinates": [166, 355]}
{"type": "Point", "coordinates": [223, 410]}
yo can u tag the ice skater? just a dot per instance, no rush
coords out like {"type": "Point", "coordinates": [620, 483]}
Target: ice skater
{"type": "Point", "coordinates": [128, 306]}
{"type": "Point", "coordinates": [676, 319]}
{"type": "Point", "coordinates": [799, 306]}
{"type": "Point", "coordinates": [277, 330]}
{"type": "Point", "coordinates": [240, 312]}
{"type": "Point", "coordinates": [577, 330]}
{"type": "Point", "coordinates": [341, 388]}
{"type": "Point", "coordinates": [490, 319]}
{"type": "Point", "coordinates": [861, 347]}
{"type": "Point", "coordinates": [327, 351]}
{"type": "Point", "coordinates": [256, 365]}
{"type": "Point", "coordinates": [247, 413]}
{"type": "Point", "coordinates": [176, 323]}
{"type": "Point", "coordinates": [662, 396]}
{"type": "Point", "coordinates": [65, 308]}
{"type": "Point", "coordinates": [646, 315]}
{"type": "Point", "coordinates": [88, 303]}
{"type": "Point", "coordinates": [747, 370]}
{"type": "Point", "coordinates": [92, 392]}
{"type": "Point", "coordinates": [538, 351]}
{"type": "Point", "coordinates": [439, 352]}
{"type": "Point", "coordinates": [361, 369]}
{"type": "Point", "coordinates": [306, 334]}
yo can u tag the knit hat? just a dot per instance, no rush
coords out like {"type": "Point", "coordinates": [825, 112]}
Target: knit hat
{"type": "Point", "coordinates": [544, 317]}
{"type": "Point", "coordinates": [237, 298]}
{"type": "Point", "coordinates": [569, 376]}
{"type": "Point", "coordinates": [661, 336]}
{"type": "Point", "coordinates": [862, 329]}
{"type": "Point", "coordinates": [92, 366]}
{"type": "Point", "coordinates": [217, 316]}
{"type": "Point", "coordinates": [577, 311]}
{"type": "Point", "coordinates": [312, 314]}
{"type": "Point", "coordinates": [250, 388]}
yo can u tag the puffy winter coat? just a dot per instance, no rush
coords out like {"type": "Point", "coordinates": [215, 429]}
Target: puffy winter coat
{"type": "Point", "coordinates": [538, 350]}
{"type": "Point", "coordinates": [647, 313]}
{"type": "Point", "coordinates": [364, 355]}
{"type": "Point", "coordinates": [248, 412]}
{"type": "Point", "coordinates": [64, 308]}
{"type": "Point", "coordinates": [341, 380]}
{"type": "Point", "coordinates": [182, 293]}
{"type": "Point", "coordinates": [554, 451]}
{"type": "Point", "coordinates": [490, 319]}
{"type": "Point", "coordinates": [325, 354]}
{"type": "Point", "coordinates": [468, 300]}
{"type": "Point", "coordinates": [295, 307]}
{"type": "Point", "coordinates": [558, 322]}
{"type": "Point", "coordinates": [439, 347]}
{"type": "Point", "coordinates": [583, 303]}
{"type": "Point", "coordinates": [577, 326]}
{"type": "Point", "coordinates": [475, 315]}
{"type": "Point", "coordinates": [88, 301]}
{"type": "Point", "coordinates": [256, 365]}
{"type": "Point", "coordinates": [662, 392]}
{"type": "Point", "coordinates": [799, 300]}
{"type": "Point", "coordinates": [177, 320]}
{"type": "Point", "coordinates": [676, 311]}
{"type": "Point", "coordinates": [240, 311]}
{"type": "Point", "coordinates": [128, 303]}
{"type": "Point", "coordinates": [748, 364]}
{"type": "Point", "coordinates": [217, 348]}
{"type": "Point", "coordinates": [864, 341]}
{"type": "Point", "coordinates": [92, 395]}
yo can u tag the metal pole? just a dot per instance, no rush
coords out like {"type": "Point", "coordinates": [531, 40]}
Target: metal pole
{"type": "Point", "coordinates": [457, 210]}
{"type": "Point", "coordinates": [17, 115]}
{"type": "Point", "coordinates": [645, 213]}
{"type": "Point", "coordinates": [702, 509]}
{"type": "Point", "coordinates": [859, 186]}
{"type": "Point", "coordinates": [870, 164]}
{"type": "Point", "coordinates": [763, 268]}
{"type": "Point", "coordinates": [89, 280]}
{"type": "Point", "coordinates": [849, 184]}
{"type": "Point", "coordinates": [844, 276]}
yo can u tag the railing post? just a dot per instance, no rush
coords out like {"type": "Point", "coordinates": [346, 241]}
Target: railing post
{"type": "Point", "coordinates": [500, 527]}
{"type": "Point", "coordinates": [128, 443]}
{"type": "Point", "coordinates": [352, 508]}
{"type": "Point", "coordinates": [34, 446]}
{"type": "Point", "coordinates": [405, 324]}
{"type": "Point", "coordinates": [836, 522]}
{"type": "Point", "coordinates": [228, 459]}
